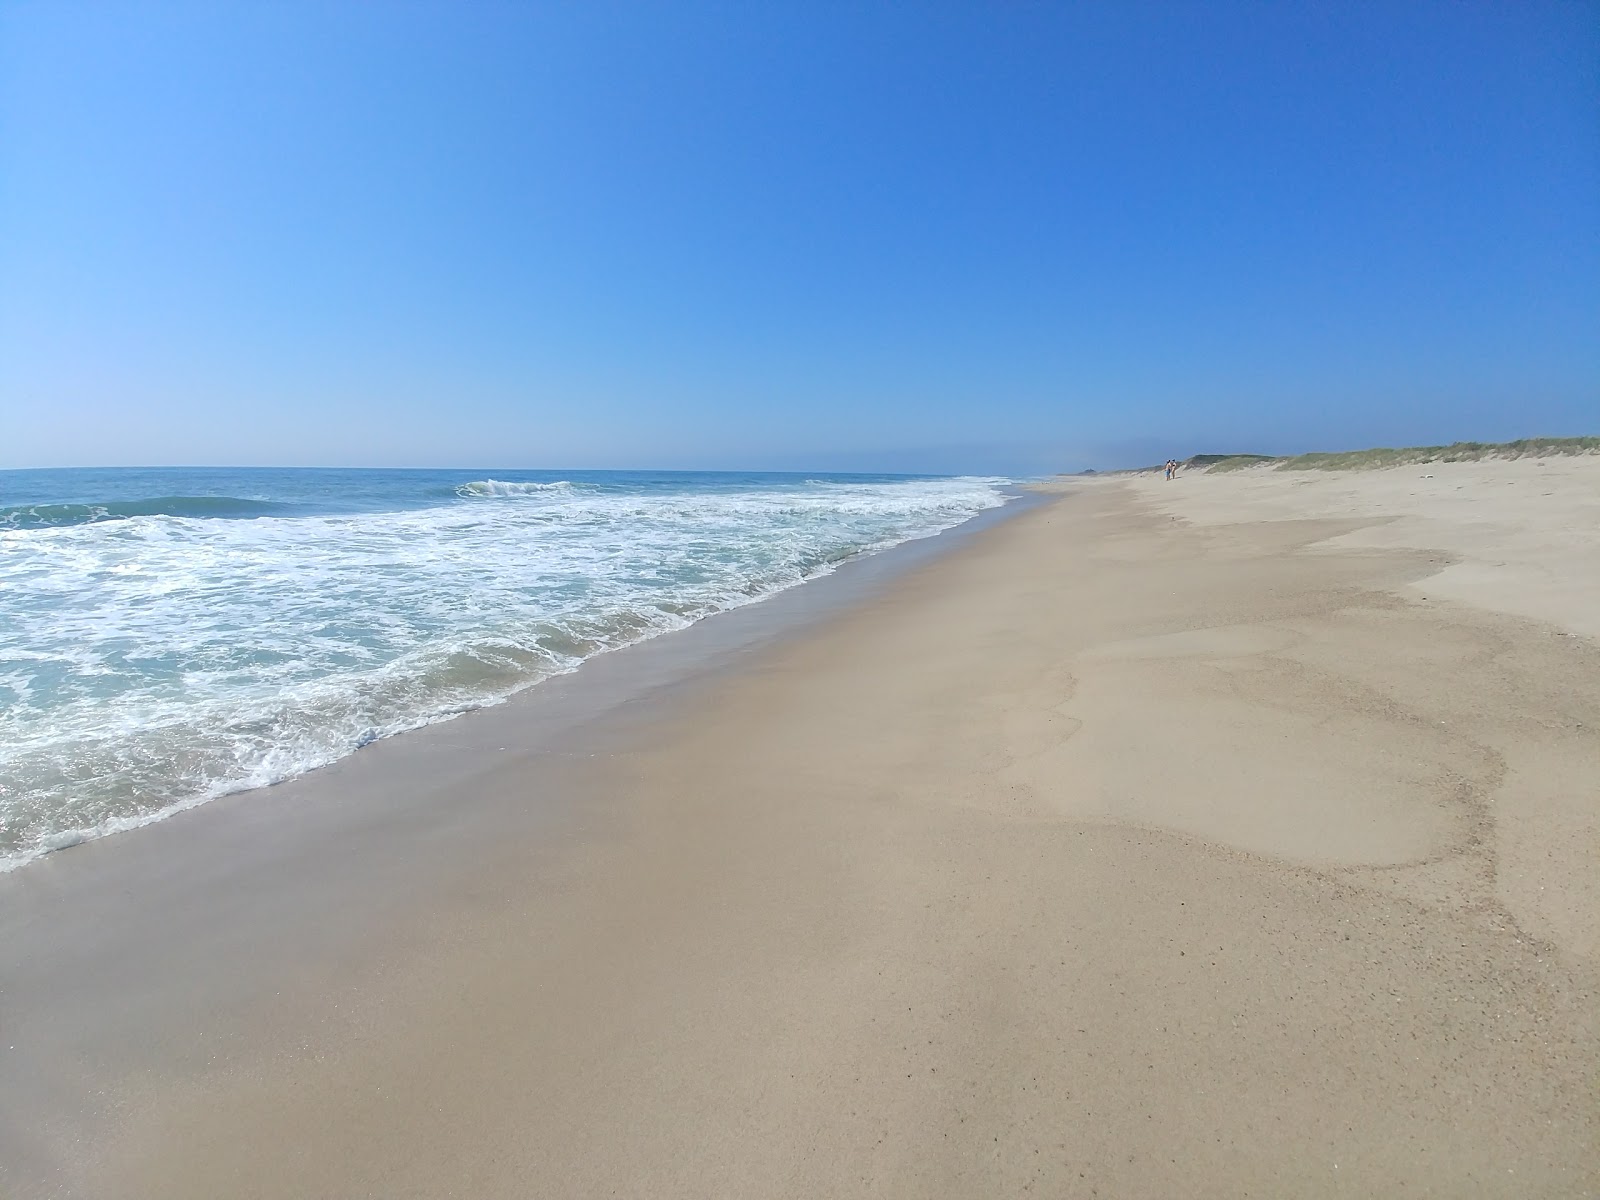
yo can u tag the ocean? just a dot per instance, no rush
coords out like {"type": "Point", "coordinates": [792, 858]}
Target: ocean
{"type": "Point", "coordinates": [170, 636]}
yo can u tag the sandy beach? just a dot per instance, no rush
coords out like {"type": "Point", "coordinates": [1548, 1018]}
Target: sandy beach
{"type": "Point", "coordinates": [1230, 836]}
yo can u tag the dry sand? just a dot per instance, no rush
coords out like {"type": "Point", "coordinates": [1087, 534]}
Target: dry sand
{"type": "Point", "coordinates": [1163, 840]}
{"type": "Point", "coordinates": [1523, 535]}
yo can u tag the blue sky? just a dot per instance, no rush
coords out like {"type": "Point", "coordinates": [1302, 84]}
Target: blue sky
{"type": "Point", "coordinates": [953, 237]}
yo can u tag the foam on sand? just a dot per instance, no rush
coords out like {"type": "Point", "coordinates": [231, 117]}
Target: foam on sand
{"type": "Point", "coordinates": [159, 653]}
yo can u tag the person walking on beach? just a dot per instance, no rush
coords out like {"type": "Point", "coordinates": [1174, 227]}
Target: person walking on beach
{"type": "Point", "coordinates": [1172, 467]}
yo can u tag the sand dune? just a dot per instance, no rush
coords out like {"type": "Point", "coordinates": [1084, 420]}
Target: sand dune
{"type": "Point", "coordinates": [1519, 534]}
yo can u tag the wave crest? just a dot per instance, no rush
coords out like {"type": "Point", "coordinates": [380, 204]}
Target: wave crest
{"type": "Point", "coordinates": [483, 488]}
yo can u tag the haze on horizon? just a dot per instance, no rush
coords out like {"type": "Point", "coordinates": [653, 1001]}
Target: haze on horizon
{"type": "Point", "coordinates": [964, 238]}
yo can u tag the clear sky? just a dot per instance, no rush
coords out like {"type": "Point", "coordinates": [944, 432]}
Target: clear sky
{"type": "Point", "coordinates": [1007, 236]}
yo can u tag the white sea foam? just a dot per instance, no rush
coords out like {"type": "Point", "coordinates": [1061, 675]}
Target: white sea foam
{"type": "Point", "coordinates": [499, 487]}
{"type": "Point", "coordinates": [152, 663]}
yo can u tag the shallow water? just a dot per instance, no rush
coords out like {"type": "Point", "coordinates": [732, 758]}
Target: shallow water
{"type": "Point", "coordinates": [169, 636]}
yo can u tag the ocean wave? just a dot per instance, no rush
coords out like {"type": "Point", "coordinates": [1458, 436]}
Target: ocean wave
{"type": "Point", "coordinates": [52, 516]}
{"type": "Point", "coordinates": [151, 665]}
{"type": "Point", "coordinates": [480, 488]}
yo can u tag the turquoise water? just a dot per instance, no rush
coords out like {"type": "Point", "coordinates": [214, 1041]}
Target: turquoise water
{"type": "Point", "coordinates": [169, 636]}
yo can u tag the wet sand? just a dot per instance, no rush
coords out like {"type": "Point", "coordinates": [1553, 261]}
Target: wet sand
{"type": "Point", "coordinates": [1151, 842]}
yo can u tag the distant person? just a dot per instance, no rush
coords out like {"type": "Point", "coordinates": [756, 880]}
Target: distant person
{"type": "Point", "coordinates": [1172, 467]}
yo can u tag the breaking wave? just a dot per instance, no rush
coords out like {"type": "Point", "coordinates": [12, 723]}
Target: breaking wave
{"type": "Point", "coordinates": [149, 665]}
{"type": "Point", "coordinates": [498, 487]}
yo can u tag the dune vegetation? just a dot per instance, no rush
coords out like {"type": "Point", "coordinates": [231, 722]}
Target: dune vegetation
{"type": "Point", "coordinates": [1379, 457]}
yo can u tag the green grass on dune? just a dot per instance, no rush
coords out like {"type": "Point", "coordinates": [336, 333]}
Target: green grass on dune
{"type": "Point", "coordinates": [1237, 462]}
{"type": "Point", "coordinates": [1367, 460]}
{"type": "Point", "coordinates": [1376, 459]}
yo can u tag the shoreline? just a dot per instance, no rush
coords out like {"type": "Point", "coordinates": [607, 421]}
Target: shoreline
{"type": "Point", "coordinates": [1107, 850]}
{"type": "Point", "coordinates": [1015, 500]}
{"type": "Point", "coordinates": [379, 804]}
